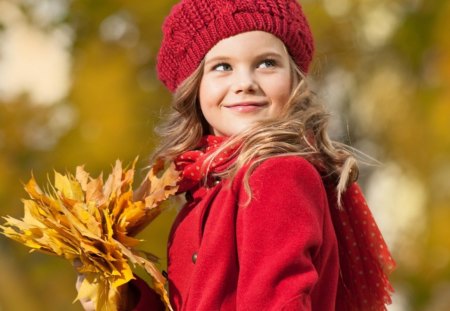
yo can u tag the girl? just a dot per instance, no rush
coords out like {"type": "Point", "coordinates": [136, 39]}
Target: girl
{"type": "Point", "coordinates": [273, 218]}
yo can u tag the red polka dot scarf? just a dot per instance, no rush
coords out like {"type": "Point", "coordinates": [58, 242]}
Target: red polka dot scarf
{"type": "Point", "coordinates": [365, 260]}
{"type": "Point", "coordinates": [194, 166]}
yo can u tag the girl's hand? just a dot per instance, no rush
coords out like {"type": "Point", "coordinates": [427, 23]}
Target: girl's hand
{"type": "Point", "coordinates": [87, 304]}
{"type": "Point", "coordinates": [128, 299]}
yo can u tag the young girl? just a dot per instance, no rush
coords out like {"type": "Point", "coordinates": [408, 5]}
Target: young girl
{"type": "Point", "coordinates": [274, 219]}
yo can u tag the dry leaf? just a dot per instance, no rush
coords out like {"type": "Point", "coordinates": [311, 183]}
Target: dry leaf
{"type": "Point", "coordinates": [93, 221]}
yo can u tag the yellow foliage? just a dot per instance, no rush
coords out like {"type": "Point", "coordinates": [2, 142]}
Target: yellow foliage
{"type": "Point", "coordinates": [94, 222]}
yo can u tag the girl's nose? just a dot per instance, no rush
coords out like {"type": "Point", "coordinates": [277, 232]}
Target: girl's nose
{"type": "Point", "coordinates": [245, 83]}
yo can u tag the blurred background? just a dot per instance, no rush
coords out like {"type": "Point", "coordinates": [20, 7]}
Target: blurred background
{"type": "Point", "coordinates": [78, 86]}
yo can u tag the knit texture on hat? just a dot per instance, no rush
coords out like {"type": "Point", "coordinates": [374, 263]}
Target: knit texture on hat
{"type": "Point", "coordinates": [193, 27]}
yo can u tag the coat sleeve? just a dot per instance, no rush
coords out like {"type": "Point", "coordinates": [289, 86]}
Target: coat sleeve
{"type": "Point", "coordinates": [279, 234]}
{"type": "Point", "coordinates": [148, 299]}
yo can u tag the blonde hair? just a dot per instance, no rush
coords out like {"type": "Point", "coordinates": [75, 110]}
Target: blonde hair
{"type": "Point", "coordinates": [300, 130]}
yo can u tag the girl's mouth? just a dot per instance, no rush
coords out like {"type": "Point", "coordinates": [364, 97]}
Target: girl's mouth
{"type": "Point", "coordinates": [246, 106]}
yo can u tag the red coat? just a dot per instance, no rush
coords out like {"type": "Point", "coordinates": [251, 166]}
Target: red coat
{"type": "Point", "coordinates": [277, 253]}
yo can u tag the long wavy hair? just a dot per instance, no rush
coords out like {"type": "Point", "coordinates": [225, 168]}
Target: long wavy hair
{"type": "Point", "coordinates": [301, 130]}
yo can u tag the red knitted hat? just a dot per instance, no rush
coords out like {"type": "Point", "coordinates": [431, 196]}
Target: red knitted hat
{"type": "Point", "coordinates": [193, 27]}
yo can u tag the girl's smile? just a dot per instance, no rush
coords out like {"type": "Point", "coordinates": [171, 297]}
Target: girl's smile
{"type": "Point", "coordinates": [246, 78]}
{"type": "Point", "coordinates": [246, 106]}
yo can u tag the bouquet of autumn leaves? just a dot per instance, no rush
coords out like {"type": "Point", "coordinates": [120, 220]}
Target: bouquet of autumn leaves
{"type": "Point", "coordinates": [95, 222]}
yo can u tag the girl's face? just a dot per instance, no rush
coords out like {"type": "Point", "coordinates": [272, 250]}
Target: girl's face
{"type": "Point", "coordinates": [246, 78]}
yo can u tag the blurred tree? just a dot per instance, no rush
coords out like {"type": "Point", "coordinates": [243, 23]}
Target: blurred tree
{"type": "Point", "coordinates": [382, 66]}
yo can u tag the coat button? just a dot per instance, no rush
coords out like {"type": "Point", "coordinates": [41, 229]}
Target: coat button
{"type": "Point", "coordinates": [194, 257]}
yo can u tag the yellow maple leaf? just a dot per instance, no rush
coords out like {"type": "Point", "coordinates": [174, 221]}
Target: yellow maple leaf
{"type": "Point", "coordinates": [94, 222]}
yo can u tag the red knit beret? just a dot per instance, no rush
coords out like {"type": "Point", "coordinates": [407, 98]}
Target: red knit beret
{"type": "Point", "coordinates": [193, 27]}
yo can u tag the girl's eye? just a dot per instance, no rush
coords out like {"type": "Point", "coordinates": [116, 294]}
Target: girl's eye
{"type": "Point", "coordinates": [222, 67]}
{"type": "Point", "coordinates": [267, 63]}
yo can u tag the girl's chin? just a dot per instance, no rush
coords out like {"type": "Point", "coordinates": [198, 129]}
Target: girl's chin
{"type": "Point", "coordinates": [232, 131]}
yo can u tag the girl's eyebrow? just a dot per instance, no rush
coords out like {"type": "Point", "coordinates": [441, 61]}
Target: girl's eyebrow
{"type": "Point", "coordinates": [270, 54]}
{"type": "Point", "coordinates": [218, 59]}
